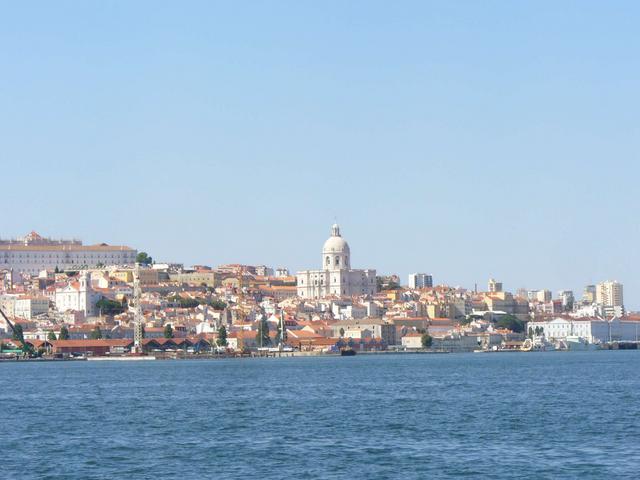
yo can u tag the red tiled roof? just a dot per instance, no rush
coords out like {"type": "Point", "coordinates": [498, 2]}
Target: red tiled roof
{"type": "Point", "coordinates": [102, 342]}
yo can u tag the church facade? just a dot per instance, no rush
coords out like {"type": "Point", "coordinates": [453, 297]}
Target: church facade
{"type": "Point", "coordinates": [336, 277]}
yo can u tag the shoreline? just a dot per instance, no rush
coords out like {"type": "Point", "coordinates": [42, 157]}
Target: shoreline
{"type": "Point", "coordinates": [132, 358]}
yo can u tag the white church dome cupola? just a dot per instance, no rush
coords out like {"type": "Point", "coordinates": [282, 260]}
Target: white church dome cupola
{"type": "Point", "coordinates": [335, 278]}
{"type": "Point", "coordinates": [335, 252]}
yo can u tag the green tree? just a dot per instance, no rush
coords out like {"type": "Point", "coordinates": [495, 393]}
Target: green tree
{"type": "Point", "coordinates": [466, 320]}
{"type": "Point", "coordinates": [184, 302]}
{"type": "Point", "coordinates": [168, 331]}
{"type": "Point", "coordinates": [64, 333]}
{"type": "Point", "coordinates": [262, 338]}
{"type": "Point", "coordinates": [217, 304]}
{"type": "Point", "coordinates": [427, 340]}
{"type": "Point", "coordinates": [393, 285]}
{"type": "Point", "coordinates": [222, 336]}
{"type": "Point", "coordinates": [144, 258]}
{"type": "Point", "coordinates": [110, 307]}
{"type": "Point", "coordinates": [511, 322]}
{"type": "Point", "coordinates": [57, 270]}
{"type": "Point", "coordinates": [96, 333]}
{"type": "Point", "coordinates": [52, 336]}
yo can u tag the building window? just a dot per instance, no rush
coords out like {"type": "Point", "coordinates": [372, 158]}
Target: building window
{"type": "Point", "coordinates": [337, 260]}
{"type": "Point", "coordinates": [328, 260]}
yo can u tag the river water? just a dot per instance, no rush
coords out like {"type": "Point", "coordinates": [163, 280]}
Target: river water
{"type": "Point", "coordinates": [535, 415]}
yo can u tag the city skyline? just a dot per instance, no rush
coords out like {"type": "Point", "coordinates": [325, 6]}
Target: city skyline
{"type": "Point", "coordinates": [485, 286]}
{"type": "Point", "coordinates": [218, 134]}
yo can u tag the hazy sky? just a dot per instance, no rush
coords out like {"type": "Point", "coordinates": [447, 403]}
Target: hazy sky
{"type": "Point", "coordinates": [465, 139]}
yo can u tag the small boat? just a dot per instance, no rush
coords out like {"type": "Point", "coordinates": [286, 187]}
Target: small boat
{"type": "Point", "coordinates": [347, 352]}
{"type": "Point", "coordinates": [575, 343]}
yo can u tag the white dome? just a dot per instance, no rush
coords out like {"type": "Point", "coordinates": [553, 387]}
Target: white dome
{"type": "Point", "coordinates": [335, 245]}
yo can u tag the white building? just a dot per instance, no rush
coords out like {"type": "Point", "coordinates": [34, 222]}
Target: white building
{"type": "Point", "coordinates": [345, 312]}
{"type": "Point", "coordinates": [264, 271]}
{"type": "Point", "coordinates": [494, 286]}
{"type": "Point", "coordinates": [28, 306]}
{"type": "Point", "coordinates": [420, 280]}
{"type": "Point", "coordinates": [33, 253]}
{"type": "Point", "coordinates": [591, 310]}
{"type": "Point", "coordinates": [282, 272]}
{"type": "Point", "coordinates": [8, 304]}
{"type": "Point", "coordinates": [412, 340]}
{"type": "Point", "coordinates": [77, 296]}
{"type": "Point", "coordinates": [366, 328]}
{"type": "Point", "coordinates": [336, 277]}
{"type": "Point", "coordinates": [594, 330]}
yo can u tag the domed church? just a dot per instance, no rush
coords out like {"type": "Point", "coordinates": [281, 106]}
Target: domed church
{"type": "Point", "coordinates": [336, 276]}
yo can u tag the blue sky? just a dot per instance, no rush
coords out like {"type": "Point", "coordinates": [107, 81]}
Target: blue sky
{"type": "Point", "coordinates": [465, 139]}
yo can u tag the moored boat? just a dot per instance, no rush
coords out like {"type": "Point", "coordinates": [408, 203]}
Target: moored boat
{"type": "Point", "coordinates": [575, 343]}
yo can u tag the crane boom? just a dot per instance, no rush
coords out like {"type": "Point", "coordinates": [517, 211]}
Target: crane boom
{"type": "Point", "coordinates": [6, 319]}
{"type": "Point", "coordinates": [24, 347]}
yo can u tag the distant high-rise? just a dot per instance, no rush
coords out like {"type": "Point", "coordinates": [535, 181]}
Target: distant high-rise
{"type": "Point", "coordinates": [609, 294]}
{"type": "Point", "coordinates": [567, 299]}
{"type": "Point", "coordinates": [544, 296]}
{"type": "Point", "coordinates": [494, 287]}
{"type": "Point", "coordinates": [420, 280]}
{"type": "Point", "coordinates": [589, 294]}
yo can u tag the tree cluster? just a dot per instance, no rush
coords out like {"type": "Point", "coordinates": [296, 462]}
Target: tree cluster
{"type": "Point", "coordinates": [143, 258]}
{"type": "Point", "coordinates": [168, 331]}
{"type": "Point", "coordinates": [110, 307]}
{"type": "Point", "coordinates": [96, 333]}
{"type": "Point", "coordinates": [64, 333]}
{"type": "Point", "coordinates": [511, 322]}
{"type": "Point", "coordinates": [262, 338]}
{"type": "Point", "coordinates": [222, 336]}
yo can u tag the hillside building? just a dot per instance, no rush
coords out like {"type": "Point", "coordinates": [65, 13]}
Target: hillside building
{"type": "Point", "coordinates": [336, 277]}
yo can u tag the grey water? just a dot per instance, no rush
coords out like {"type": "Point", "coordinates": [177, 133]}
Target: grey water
{"type": "Point", "coordinates": [536, 415]}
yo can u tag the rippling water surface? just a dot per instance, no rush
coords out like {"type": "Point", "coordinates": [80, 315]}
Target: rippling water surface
{"type": "Point", "coordinates": [538, 415]}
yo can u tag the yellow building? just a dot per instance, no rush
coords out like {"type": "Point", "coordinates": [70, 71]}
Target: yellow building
{"type": "Point", "coordinates": [122, 275]}
{"type": "Point", "coordinates": [148, 276]}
